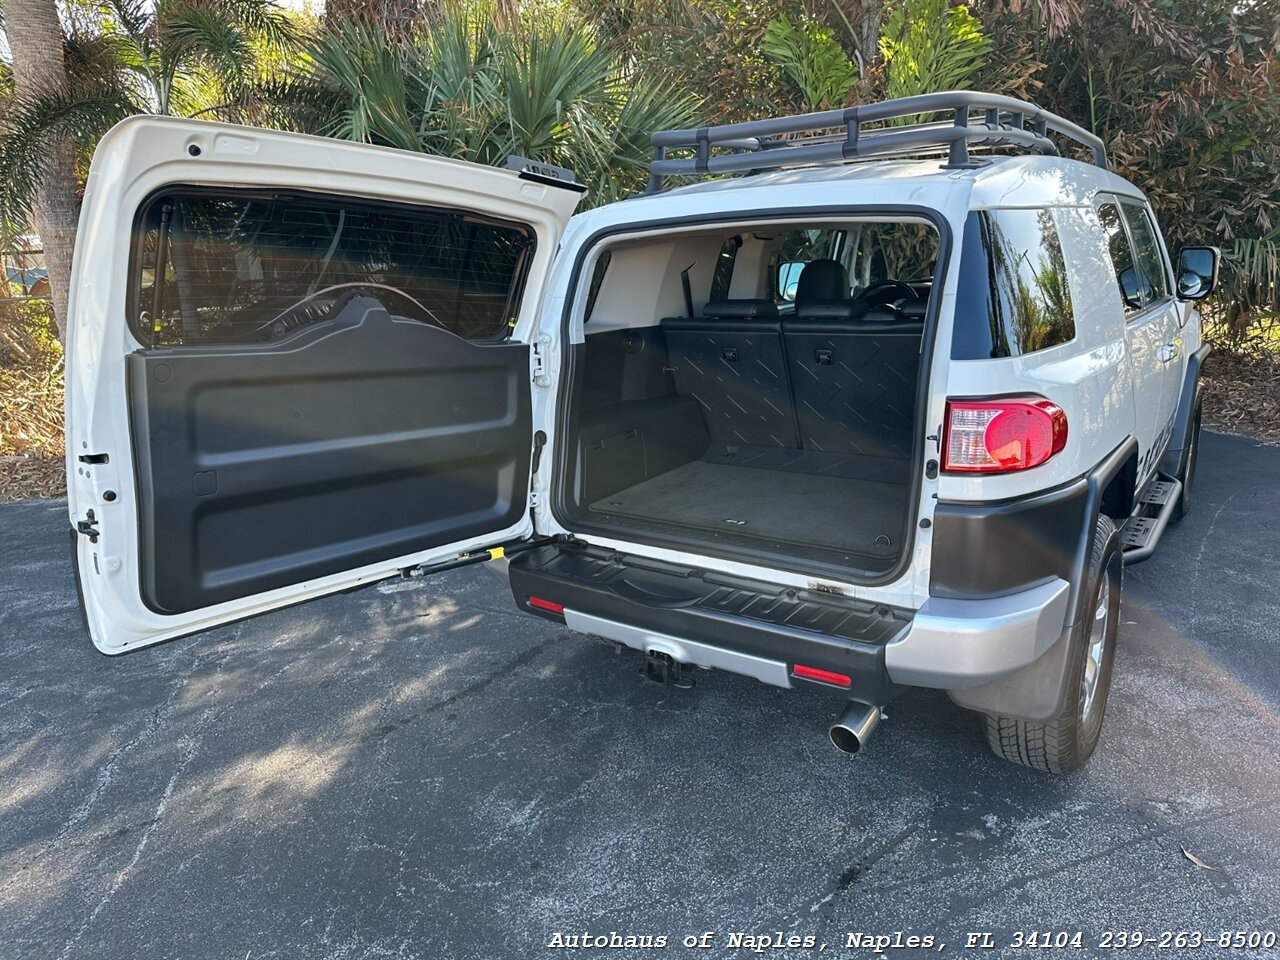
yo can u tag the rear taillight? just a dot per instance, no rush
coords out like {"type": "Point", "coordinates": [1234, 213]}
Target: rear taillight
{"type": "Point", "coordinates": [995, 436]}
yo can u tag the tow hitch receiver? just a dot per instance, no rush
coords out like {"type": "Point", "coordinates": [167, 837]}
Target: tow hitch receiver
{"type": "Point", "coordinates": [663, 668]}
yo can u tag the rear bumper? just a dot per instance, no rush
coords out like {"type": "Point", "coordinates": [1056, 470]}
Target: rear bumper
{"type": "Point", "coordinates": [764, 631]}
{"type": "Point", "coordinates": [953, 644]}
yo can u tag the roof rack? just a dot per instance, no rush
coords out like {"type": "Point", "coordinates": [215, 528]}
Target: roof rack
{"type": "Point", "coordinates": [980, 119]}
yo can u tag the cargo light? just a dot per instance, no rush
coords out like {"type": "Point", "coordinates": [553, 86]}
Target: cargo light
{"type": "Point", "coordinates": [999, 436]}
{"type": "Point", "coordinates": [822, 676]}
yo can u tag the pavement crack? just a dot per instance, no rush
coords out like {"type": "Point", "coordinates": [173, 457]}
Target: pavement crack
{"type": "Point", "coordinates": [512, 665]}
{"type": "Point", "coordinates": [191, 745]}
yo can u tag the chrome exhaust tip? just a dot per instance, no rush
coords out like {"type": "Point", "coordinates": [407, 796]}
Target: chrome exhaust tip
{"type": "Point", "coordinates": [853, 728]}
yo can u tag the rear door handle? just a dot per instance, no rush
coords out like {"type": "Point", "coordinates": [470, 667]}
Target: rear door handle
{"type": "Point", "coordinates": [1168, 353]}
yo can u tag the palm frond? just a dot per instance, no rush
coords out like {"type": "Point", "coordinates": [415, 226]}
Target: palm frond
{"type": "Point", "coordinates": [81, 115]}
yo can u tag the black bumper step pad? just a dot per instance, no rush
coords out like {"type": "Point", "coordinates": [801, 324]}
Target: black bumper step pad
{"type": "Point", "coordinates": [828, 631]}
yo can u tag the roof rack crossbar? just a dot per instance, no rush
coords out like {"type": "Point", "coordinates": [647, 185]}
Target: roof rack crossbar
{"type": "Point", "coordinates": [1000, 122]}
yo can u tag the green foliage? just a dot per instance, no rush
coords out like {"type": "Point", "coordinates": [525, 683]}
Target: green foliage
{"type": "Point", "coordinates": [1244, 311]}
{"type": "Point", "coordinates": [929, 47]}
{"type": "Point", "coordinates": [187, 57]}
{"type": "Point", "coordinates": [464, 87]}
{"type": "Point", "coordinates": [814, 60]}
{"type": "Point", "coordinates": [1186, 95]}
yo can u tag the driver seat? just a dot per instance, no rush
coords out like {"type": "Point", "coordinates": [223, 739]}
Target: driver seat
{"type": "Point", "coordinates": [823, 291]}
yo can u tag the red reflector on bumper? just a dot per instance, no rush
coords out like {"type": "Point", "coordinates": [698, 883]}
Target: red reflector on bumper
{"type": "Point", "coordinates": [825, 676]}
{"type": "Point", "coordinates": [546, 605]}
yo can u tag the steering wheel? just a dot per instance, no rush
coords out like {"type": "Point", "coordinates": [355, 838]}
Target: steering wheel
{"type": "Point", "coordinates": [874, 294]}
{"type": "Point", "coordinates": [318, 305]}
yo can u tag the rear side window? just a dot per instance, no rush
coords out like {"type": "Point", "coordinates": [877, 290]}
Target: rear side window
{"type": "Point", "coordinates": [242, 267]}
{"type": "Point", "coordinates": [1122, 260]}
{"type": "Point", "coordinates": [1155, 281]}
{"type": "Point", "coordinates": [1012, 295]}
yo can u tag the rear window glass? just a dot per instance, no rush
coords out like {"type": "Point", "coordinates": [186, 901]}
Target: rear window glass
{"type": "Point", "coordinates": [235, 267]}
{"type": "Point", "coordinates": [1012, 297]}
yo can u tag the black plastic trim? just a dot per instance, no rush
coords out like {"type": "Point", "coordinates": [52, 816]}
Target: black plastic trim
{"type": "Point", "coordinates": [993, 549]}
{"type": "Point", "coordinates": [783, 624]}
{"type": "Point", "coordinates": [564, 511]}
{"type": "Point", "coordinates": [1171, 459]}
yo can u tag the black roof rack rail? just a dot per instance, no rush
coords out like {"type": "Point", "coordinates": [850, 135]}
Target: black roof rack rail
{"type": "Point", "coordinates": [979, 119]}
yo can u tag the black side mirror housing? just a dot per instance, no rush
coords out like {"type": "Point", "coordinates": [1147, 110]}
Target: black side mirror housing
{"type": "Point", "coordinates": [1197, 272]}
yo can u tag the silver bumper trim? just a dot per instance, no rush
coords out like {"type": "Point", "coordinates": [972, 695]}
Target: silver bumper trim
{"type": "Point", "coordinates": [965, 643]}
{"type": "Point", "coordinates": [685, 651]}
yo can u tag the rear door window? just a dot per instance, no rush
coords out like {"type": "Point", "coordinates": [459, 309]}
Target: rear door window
{"type": "Point", "coordinates": [1150, 257]}
{"type": "Point", "coordinates": [1123, 262]}
{"type": "Point", "coordinates": [227, 266]}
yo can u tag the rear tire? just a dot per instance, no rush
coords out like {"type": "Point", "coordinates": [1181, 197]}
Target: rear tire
{"type": "Point", "coordinates": [1065, 742]}
{"type": "Point", "coordinates": [1187, 475]}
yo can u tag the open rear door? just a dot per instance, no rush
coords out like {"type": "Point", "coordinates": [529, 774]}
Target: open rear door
{"type": "Point", "coordinates": [294, 365]}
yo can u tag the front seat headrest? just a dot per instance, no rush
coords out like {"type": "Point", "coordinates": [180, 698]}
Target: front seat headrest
{"type": "Point", "coordinates": [822, 280]}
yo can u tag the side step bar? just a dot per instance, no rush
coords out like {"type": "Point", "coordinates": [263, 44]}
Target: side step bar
{"type": "Point", "coordinates": [1142, 531]}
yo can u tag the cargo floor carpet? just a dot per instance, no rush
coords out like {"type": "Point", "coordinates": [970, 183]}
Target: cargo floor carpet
{"type": "Point", "coordinates": [821, 511]}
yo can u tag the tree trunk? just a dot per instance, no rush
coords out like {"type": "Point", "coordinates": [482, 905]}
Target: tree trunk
{"type": "Point", "coordinates": [39, 69]}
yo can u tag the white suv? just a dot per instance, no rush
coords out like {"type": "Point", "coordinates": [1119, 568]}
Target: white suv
{"type": "Point", "coordinates": [890, 410]}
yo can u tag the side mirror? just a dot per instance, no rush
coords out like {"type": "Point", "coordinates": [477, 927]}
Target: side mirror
{"type": "Point", "coordinates": [1197, 272]}
{"type": "Point", "coordinates": [1128, 278]}
{"type": "Point", "coordinates": [789, 278]}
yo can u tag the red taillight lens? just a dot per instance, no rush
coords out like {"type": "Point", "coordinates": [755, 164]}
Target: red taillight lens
{"type": "Point", "coordinates": [995, 436]}
{"type": "Point", "coordinates": [547, 605]}
{"type": "Point", "coordinates": [824, 676]}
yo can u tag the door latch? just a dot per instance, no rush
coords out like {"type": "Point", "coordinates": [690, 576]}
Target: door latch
{"type": "Point", "coordinates": [88, 527]}
{"type": "Point", "coordinates": [541, 369]}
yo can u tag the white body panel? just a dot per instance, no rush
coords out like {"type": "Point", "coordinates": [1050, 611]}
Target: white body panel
{"type": "Point", "coordinates": [135, 159]}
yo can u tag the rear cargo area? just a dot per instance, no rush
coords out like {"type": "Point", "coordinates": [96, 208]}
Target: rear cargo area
{"type": "Point", "coordinates": [780, 423]}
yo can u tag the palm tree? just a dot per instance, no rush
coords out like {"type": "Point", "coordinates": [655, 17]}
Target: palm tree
{"type": "Point", "coordinates": [467, 86]}
{"type": "Point", "coordinates": [34, 32]}
{"type": "Point", "coordinates": [189, 57]}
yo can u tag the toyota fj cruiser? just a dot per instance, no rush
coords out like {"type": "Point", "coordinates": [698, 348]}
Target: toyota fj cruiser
{"type": "Point", "coordinates": [890, 409]}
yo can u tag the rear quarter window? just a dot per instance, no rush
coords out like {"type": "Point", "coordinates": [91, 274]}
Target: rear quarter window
{"type": "Point", "coordinates": [1012, 295]}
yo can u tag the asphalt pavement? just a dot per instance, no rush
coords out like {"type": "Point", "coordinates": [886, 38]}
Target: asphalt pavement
{"type": "Point", "coordinates": [417, 770]}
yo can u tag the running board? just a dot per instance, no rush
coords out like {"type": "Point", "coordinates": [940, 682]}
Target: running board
{"type": "Point", "coordinates": [1142, 531]}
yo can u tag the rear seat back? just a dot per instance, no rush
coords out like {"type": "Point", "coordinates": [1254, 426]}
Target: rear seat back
{"type": "Point", "coordinates": [854, 375]}
{"type": "Point", "coordinates": [732, 362]}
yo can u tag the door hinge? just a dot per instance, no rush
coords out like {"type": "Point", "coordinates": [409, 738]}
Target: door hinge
{"type": "Point", "coordinates": [541, 367]}
{"type": "Point", "coordinates": [88, 527]}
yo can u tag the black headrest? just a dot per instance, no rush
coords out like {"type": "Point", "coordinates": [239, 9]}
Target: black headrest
{"type": "Point", "coordinates": [822, 280]}
{"type": "Point", "coordinates": [831, 309]}
{"type": "Point", "coordinates": [914, 308]}
{"type": "Point", "coordinates": [740, 309]}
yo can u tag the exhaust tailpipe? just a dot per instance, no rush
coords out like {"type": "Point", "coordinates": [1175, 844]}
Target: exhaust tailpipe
{"type": "Point", "coordinates": [853, 728]}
